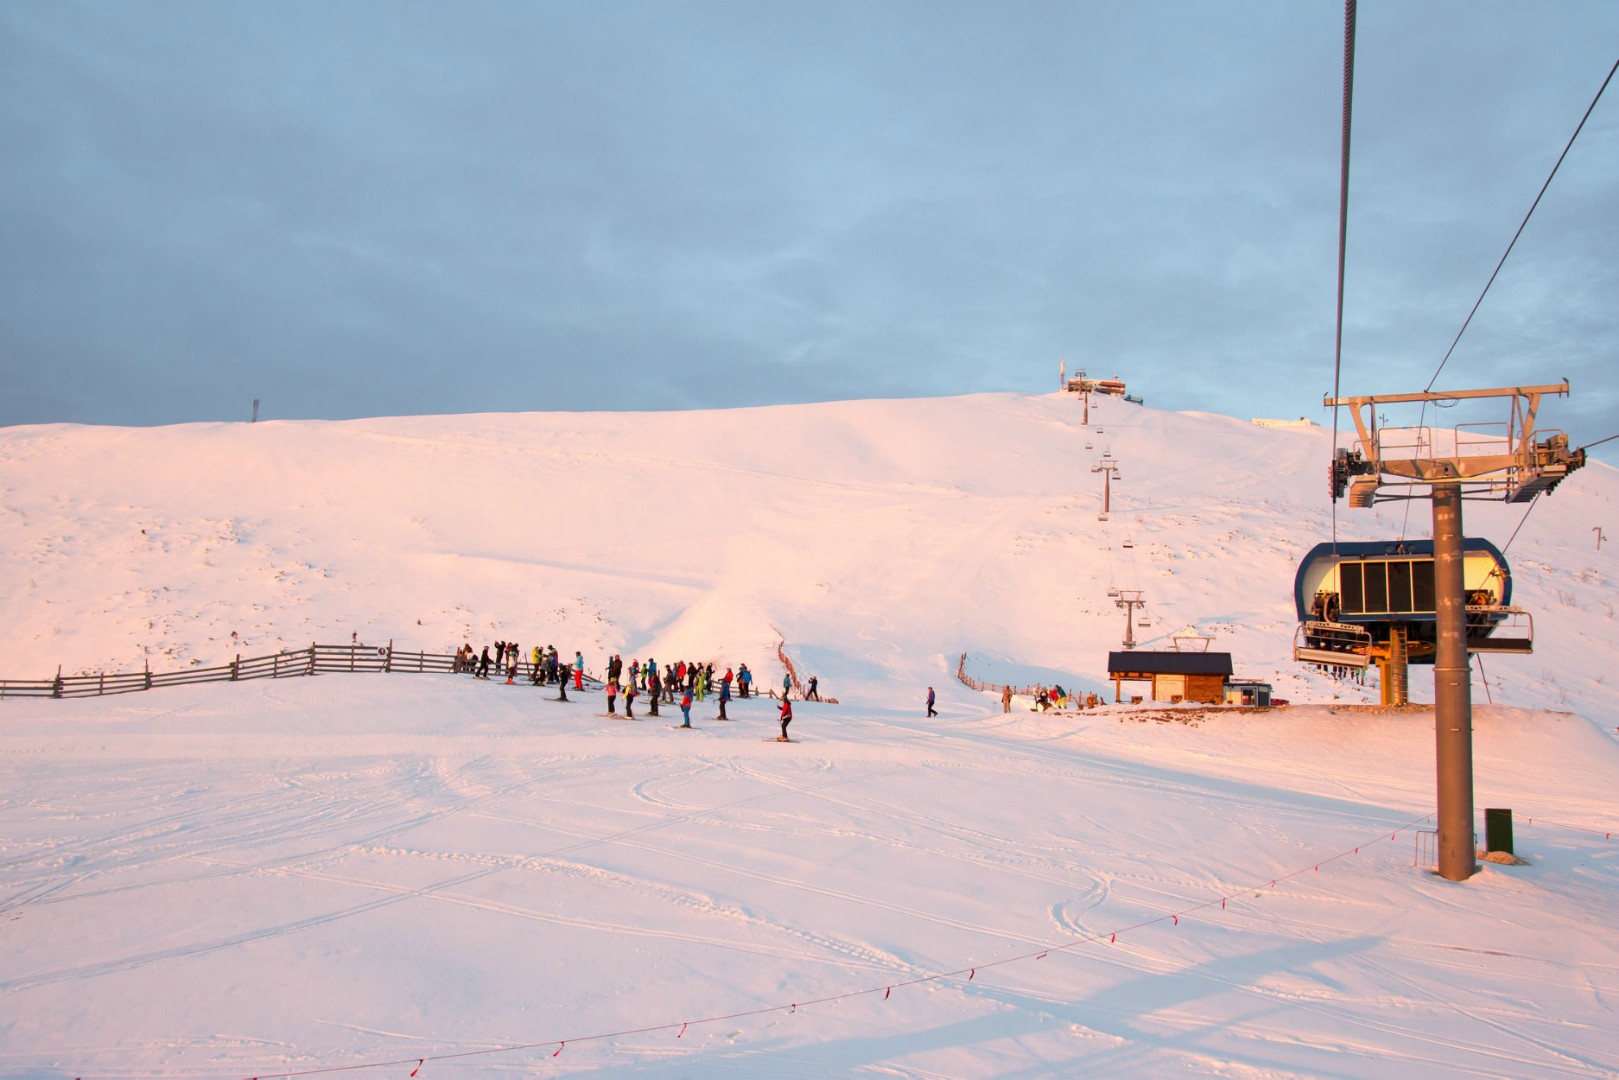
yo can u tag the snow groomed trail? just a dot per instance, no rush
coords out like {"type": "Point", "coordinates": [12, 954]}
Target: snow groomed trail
{"type": "Point", "coordinates": [268, 879]}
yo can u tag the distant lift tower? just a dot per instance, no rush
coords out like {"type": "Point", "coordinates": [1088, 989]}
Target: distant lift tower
{"type": "Point", "coordinates": [1477, 461]}
{"type": "Point", "coordinates": [1129, 600]}
{"type": "Point", "coordinates": [1109, 469]}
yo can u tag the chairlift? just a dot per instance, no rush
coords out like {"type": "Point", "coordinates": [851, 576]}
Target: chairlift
{"type": "Point", "coordinates": [1332, 644]}
{"type": "Point", "coordinates": [1143, 621]}
{"type": "Point", "coordinates": [1129, 543]}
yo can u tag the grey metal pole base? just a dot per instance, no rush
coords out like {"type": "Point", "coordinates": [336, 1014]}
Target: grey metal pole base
{"type": "Point", "coordinates": [1453, 697]}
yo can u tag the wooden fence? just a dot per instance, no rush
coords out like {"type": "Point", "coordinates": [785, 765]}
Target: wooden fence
{"type": "Point", "coordinates": [315, 660]}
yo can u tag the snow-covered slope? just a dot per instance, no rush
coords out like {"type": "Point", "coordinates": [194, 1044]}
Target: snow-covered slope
{"type": "Point", "coordinates": [879, 539]}
{"type": "Point", "coordinates": [270, 878]}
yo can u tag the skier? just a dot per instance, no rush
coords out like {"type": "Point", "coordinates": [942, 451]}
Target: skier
{"type": "Point", "coordinates": [1006, 699]}
{"type": "Point", "coordinates": [931, 711]}
{"type": "Point", "coordinates": [612, 698]}
{"type": "Point", "coordinates": [725, 695]}
{"type": "Point", "coordinates": [744, 679]}
{"type": "Point", "coordinates": [654, 687]}
{"type": "Point", "coordinates": [786, 684]}
{"type": "Point", "coordinates": [786, 718]}
{"type": "Point", "coordinates": [811, 694]}
{"type": "Point", "coordinates": [483, 664]}
{"type": "Point", "coordinates": [685, 707]}
{"type": "Point", "coordinates": [562, 683]}
{"type": "Point", "coordinates": [578, 671]}
{"type": "Point", "coordinates": [629, 700]}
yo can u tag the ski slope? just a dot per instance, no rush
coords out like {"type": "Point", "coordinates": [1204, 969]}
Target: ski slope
{"type": "Point", "coordinates": [350, 871]}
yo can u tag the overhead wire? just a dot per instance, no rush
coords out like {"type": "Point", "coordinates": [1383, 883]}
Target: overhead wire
{"type": "Point", "coordinates": [1423, 412]}
{"type": "Point", "coordinates": [1578, 128]}
{"type": "Point", "coordinates": [1343, 238]}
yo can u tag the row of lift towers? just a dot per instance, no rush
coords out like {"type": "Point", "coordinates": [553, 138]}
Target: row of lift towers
{"type": "Point", "coordinates": [1127, 600]}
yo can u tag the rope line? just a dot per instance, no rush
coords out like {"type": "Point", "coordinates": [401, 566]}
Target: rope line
{"type": "Point", "coordinates": [1525, 222]}
{"type": "Point", "coordinates": [886, 989]}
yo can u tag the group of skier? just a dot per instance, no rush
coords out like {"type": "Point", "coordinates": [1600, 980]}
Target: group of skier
{"type": "Point", "coordinates": [691, 681]}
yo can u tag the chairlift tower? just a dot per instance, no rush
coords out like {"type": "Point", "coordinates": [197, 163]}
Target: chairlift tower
{"type": "Point", "coordinates": [1484, 461]}
{"type": "Point", "coordinates": [1109, 469]}
{"type": "Point", "coordinates": [1128, 600]}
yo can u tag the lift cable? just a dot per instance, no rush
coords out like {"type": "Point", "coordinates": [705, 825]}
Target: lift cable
{"type": "Point", "coordinates": [1599, 442]}
{"type": "Point", "coordinates": [1343, 234]}
{"type": "Point", "coordinates": [1468, 321]}
{"type": "Point", "coordinates": [1525, 221]}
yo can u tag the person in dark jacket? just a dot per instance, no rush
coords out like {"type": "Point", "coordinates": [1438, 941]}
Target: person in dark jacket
{"type": "Point", "coordinates": [810, 693]}
{"type": "Point", "coordinates": [725, 695]}
{"type": "Point", "coordinates": [483, 664]}
{"type": "Point", "coordinates": [685, 707]}
{"type": "Point", "coordinates": [931, 711]}
{"type": "Point", "coordinates": [654, 687]}
{"type": "Point", "coordinates": [562, 683]}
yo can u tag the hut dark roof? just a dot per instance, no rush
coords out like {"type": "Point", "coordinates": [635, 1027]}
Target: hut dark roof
{"type": "Point", "coordinates": [1148, 662]}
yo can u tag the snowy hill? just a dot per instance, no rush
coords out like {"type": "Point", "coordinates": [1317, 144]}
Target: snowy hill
{"type": "Point", "coordinates": [878, 539]}
{"type": "Point", "coordinates": [395, 872]}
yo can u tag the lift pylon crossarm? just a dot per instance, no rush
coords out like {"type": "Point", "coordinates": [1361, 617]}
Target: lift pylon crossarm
{"type": "Point", "coordinates": [1525, 467]}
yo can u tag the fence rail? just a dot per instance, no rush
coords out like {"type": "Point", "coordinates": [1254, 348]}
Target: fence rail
{"type": "Point", "coordinates": [317, 659]}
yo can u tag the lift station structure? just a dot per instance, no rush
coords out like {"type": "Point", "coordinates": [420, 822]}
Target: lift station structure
{"type": "Point", "coordinates": [1490, 461]}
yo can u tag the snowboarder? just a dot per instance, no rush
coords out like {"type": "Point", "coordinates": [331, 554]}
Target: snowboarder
{"type": "Point", "coordinates": [931, 711]}
{"type": "Point", "coordinates": [786, 718]}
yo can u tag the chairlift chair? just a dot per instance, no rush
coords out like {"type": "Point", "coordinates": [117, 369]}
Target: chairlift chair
{"type": "Point", "coordinates": [1333, 644]}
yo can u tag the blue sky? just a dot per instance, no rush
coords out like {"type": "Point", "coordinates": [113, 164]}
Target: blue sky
{"type": "Point", "coordinates": [358, 209]}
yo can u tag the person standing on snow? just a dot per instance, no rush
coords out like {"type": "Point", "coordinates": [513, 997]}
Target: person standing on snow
{"type": "Point", "coordinates": [725, 695]}
{"type": "Point", "coordinates": [810, 693]}
{"type": "Point", "coordinates": [786, 684]}
{"type": "Point", "coordinates": [1006, 699]}
{"type": "Point", "coordinates": [786, 718]}
{"type": "Point", "coordinates": [612, 698]}
{"type": "Point", "coordinates": [654, 687]}
{"type": "Point", "coordinates": [579, 671]}
{"type": "Point", "coordinates": [744, 679]}
{"type": "Point", "coordinates": [931, 711]}
{"type": "Point", "coordinates": [629, 700]}
{"type": "Point", "coordinates": [483, 664]}
{"type": "Point", "coordinates": [685, 707]}
{"type": "Point", "coordinates": [562, 683]}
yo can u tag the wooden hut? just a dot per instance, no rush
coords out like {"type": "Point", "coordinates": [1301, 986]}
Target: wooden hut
{"type": "Point", "coordinates": [1175, 676]}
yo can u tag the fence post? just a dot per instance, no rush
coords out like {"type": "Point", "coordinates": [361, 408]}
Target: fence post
{"type": "Point", "coordinates": [311, 669]}
{"type": "Point", "coordinates": [235, 666]}
{"type": "Point", "coordinates": [388, 664]}
{"type": "Point", "coordinates": [56, 684]}
{"type": "Point", "coordinates": [101, 683]}
{"type": "Point", "coordinates": [147, 664]}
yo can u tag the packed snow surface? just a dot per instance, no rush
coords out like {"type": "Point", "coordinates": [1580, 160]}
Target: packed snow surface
{"type": "Point", "coordinates": [429, 872]}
